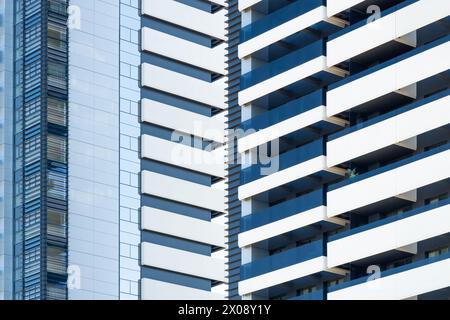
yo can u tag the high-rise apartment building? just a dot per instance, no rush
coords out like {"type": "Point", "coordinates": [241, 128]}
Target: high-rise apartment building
{"type": "Point", "coordinates": [224, 149]}
{"type": "Point", "coordinates": [352, 97]}
{"type": "Point", "coordinates": [113, 175]}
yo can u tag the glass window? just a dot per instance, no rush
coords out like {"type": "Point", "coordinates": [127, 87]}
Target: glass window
{"type": "Point", "coordinates": [57, 110]}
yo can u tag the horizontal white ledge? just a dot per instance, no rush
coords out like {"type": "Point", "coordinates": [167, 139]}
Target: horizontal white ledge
{"type": "Point", "coordinates": [389, 237]}
{"type": "Point", "coordinates": [182, 155]}
{"type": "Point", "coordinates": [283, 128]}
{"type": "Point", "coordinates": [181, 226]}
{"type": "Point", "coordinates": [282, 226]}
{"type": "Point", "coordinates": [399, 286]}
{"type": "Point", "coordinates": [282, 177]}
{"type": "Point", "coordinates": [283, 275]}
{"type": "Point", "coordinates": [385, 29]}
{"type": "Point", "coordinates": [209, 93]}
{"type": "Point", "coordinates": [389, 184]}
{"type": "Point", "coordinates": [389, 79]}
{"type": "Point", "coordinates": [245, 4]}
{"type": "Point", "coordinates": [166, 258]}
{"type": "Point", "coordinates": [212, 59]}
{"type": "Point", "coordinates": [212, 24]}
{"type": "Point", "coordinates": [282, 31]}
{"type": "Point", "coordinates": [159, 290]}
{"type": "Point", "coordinates": [183, 191]}
{"type": "Point", "coordinates": [167, 116]}
{"type": "Point", "coordinates": [282, 80]}
{"type": "Point", "coordinates": [219, 2]}
{"type": "Point", "coordinates": [389, 132]}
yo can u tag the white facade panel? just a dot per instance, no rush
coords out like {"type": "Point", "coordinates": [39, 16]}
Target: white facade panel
{"type": "Point", "coordinates": [212, 24]}
{"type": "Point", "coordinates": [210, 93]}
{"type": "Point", "coordinates": [385, 29]}
{"type": "Point", "coordinates": [282, 80]}
{"type": "Point", "coordinates": [164, 115]}
{"type": "Point", "coordinates": [399, 286]}
{"type": "Point", "coordinates": [282, 31]}
{"type": "Point", "coordinates": [279, 276]}
{"type": "Point", "coordinates": [389, 237]}
{"type": "Point", "coordinates": [282, 128]}
{"type": "Point", "coordinates": [389, 184]}
{"type": "Point", "coordinates": [282, 226]}
{"type": "Point", "coordinates": [388, 132]}
{"type": "Point", "coordinates": [181, 261]}
{"type": "Point", "coordinates": [212, 59]}
{"type": "Point", "coordinates": [282, 177]}
{"type": "Point", "coordinates": [159, 290]}
{"type": "Point", "coordinates": [182, 191]}
{"type": "Point", "coordinates": [182, 155]}
{"type": "Point", "coordinates": [182, 226]}
{"type": "Point", "coordinates": [389, 79]}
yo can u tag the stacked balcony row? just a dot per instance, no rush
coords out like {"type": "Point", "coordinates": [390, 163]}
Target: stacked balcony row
{"type": "Point", "coordinates": [357, 107]}
{"type": "Point", "coordinates": [182, 149]}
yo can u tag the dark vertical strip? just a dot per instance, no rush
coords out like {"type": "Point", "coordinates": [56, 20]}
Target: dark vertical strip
{"type": "Point", "coordinates": [233, 118]}
{"type": "Point", "coordinates": [40, 207]}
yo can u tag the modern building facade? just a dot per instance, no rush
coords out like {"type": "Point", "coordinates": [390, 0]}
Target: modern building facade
{"type": "Point", "coordinates": [182, 140]}
{"type": "Point", "coordinates": [353, 97]}
{"type": "Point", "coordinates": [224, 149]}
{"type": "Point", "coordinates": [113, 140]}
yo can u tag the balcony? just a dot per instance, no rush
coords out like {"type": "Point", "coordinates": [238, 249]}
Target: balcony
{"type": "Point", "coordinates": [290, 73]}
{"type": "Point", "coordinates": [282, 260]}
{"type": "Point", "coordinates": [301, 120]}
{"type": "Point", "coordinates": [392, 33]}
{"type": "Point", "coordinates": [389, 181]}
{"type": "Point", "coordinates": [283, 210]}
{"type": "Point", "coordinates": [277, 18]}
{"type": "Point", "coordinates": [389, 83]}
{"type": "Point", "coordinates": [389, 130]}
{"type": "Point", "coordinates": [396, 284]}
{"type": "Point", "coordinates": [299, 217]}
{"type": "Point", "coordinates": [300, 169]}
{"type": "Point", "coordinates": [286, 160]}
{"type": "Point", "coordinates": [388, 235]}
{"type": "Point", "coordinates": [282, 267]}
{"type": "Point", "coordinates": [286, 24]}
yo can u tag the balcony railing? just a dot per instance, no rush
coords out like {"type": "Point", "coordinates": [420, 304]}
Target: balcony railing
{"type": "Point", "coordinates": [285, 111]}
{"type": "Point", "coordinates": [286, 160]}
{"type": "Point", "coordinates": [283, 210]}
{"type": "Point", "coordinates": [393, 271]}
{"type": "Point", "coordinates": [284, 259]}
{"type": "Point", "coordinates": [277, 18]}
{"type": "Point", "coordinates": [389, 167]}
{"type": "Point", "coordinates": [283, 64]}
{"type": "Point", "coordinates": [382, 222]}
{"type": "Point", "coordinates": [388, 115]}
{"type": "Point", "coordinates": [390, 62]}
{"type": "Point", "coordinates": [363, 22]}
